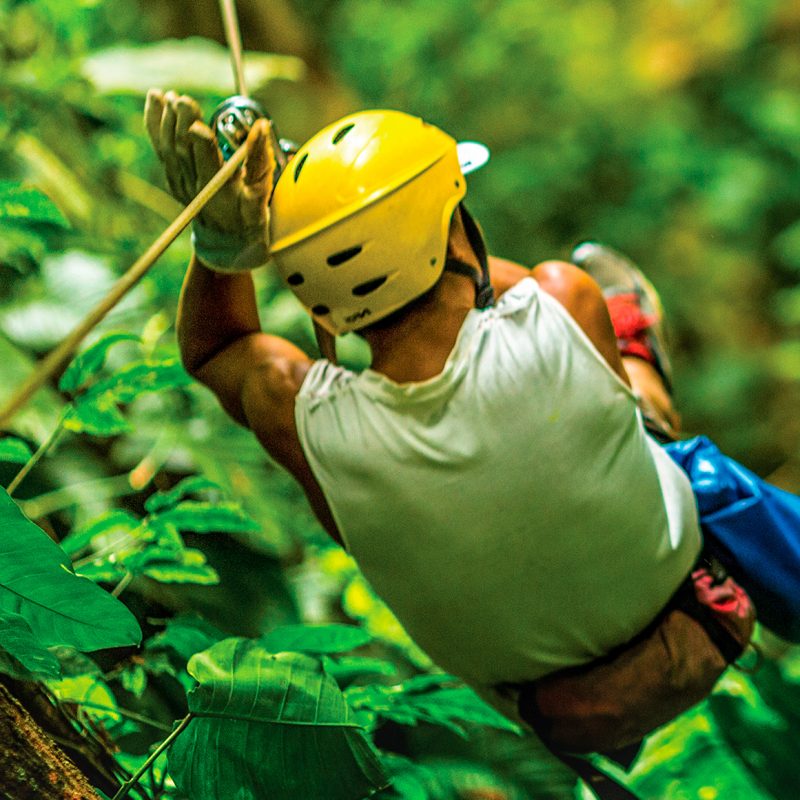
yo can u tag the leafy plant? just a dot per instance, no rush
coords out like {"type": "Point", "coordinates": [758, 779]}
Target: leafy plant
{"type": "Point", "coordinates": [44, 603]}
{"type": "Point", "coordinates": [254, 712]}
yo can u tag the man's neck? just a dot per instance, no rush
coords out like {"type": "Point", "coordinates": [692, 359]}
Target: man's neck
{"type": "Point", "coordinates": [416, 346]}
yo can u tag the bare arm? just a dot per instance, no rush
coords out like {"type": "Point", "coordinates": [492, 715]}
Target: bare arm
{"type": "Point", "coordinates": [220, 337]}
{"type": "Point", "coordinates": [256, 376]}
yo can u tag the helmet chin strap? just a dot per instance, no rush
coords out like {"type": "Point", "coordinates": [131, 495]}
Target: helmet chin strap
{"type": "Point", "coordinates": [326, 342]}
{"type": "Point", "coordinates": [484, 293]}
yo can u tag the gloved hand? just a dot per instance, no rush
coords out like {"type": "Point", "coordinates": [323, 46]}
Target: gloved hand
{"type": "Point", "coordinates": [231, 234]}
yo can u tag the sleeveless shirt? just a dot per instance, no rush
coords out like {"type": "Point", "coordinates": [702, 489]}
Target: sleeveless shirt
{"type": "Point", "coordinates": [511, 511]}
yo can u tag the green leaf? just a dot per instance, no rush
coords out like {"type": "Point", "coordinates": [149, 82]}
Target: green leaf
{"type": "Point", "coordinates": [17, 639]}
{"type": "Point", "coordinates": [134, 679]}
{"type": "Point", "coordinates": [185, 635]}
{"type": "Point", "coordinates": [114, 523]}
{"type": "Point", "coordinates": [14, 451]}
{"type": "Point", "coordinates": [74, 663]}
{"type": "Point", "coordinates": [195, 64]}
{"type": "Point", "coordinates": [425, 699]}
{"type": "Point", "coordinates": [61, 608]}
{"type": "Point", "coordinates": [97, 416]}
{"type": "Point", "coordinates": [202, 517]}
{"type": "Point", "coordinates": [22, 203]}
{"type": "Point", "coordinates": [95, 411]}
{"type": "Point", "coordinates": [759, 735]}
{"type": "Point", "coordinates": [332, 638]}
{"type": "Point", "coordinates": [92, 691]}
{"type": "Point", "coordinates": [194, 484]}
{"type": "Point", "coordinates": [162, 532]}
{"type": "Point", "coordinates": [138, 377]}
{"type": "Point", "coordinates": [172, 566]}
{"type": "Point", "coordinates": [102, 571]}
{"type": "Point", "coordinates": [346, 669]}
{"type": "Point", "coordinates": [91, 360]}
{"type": "Point", "coordinates": [270, 726]}
{"type": "Point", "coordinates": [199, 574]}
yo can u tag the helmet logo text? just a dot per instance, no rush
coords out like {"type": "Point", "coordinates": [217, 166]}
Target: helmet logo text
{"type": "Point", "coordinates": [365, 312]}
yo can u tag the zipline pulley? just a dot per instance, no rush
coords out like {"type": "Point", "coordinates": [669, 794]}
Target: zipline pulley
{"type": "Point", "coordinates": [231, 122]}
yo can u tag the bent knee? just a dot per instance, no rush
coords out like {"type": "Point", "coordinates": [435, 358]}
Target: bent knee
{"type": "Point", "coordinates": [577, 291]}
{"type": "Point", "coordinates": [583, 299]}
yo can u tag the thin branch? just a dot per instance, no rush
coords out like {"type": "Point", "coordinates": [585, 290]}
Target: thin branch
{"type": "Point", "coordinates": [105, 550]}
{"type": "Point", "coordinates": [125, 789]}
{"type": "Point", "coordinates": [67, 496]}
{"type": "Point", "coordinates": [122, 585]}
{"type": "Point", "coordinates": [124, 712]}
{"type": "Point", "coordinates": [37, 456]}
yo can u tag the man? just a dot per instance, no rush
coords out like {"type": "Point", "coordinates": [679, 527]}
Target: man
{"type": "Point", "coordinates": [491, 472]}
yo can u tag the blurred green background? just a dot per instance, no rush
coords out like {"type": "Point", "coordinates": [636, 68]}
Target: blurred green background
{"type": "Point", "coordinates": [669, 129]}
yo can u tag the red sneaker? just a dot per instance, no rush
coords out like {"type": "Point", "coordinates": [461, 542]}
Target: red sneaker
{"type": "Point", "coordinates": [633, 304]}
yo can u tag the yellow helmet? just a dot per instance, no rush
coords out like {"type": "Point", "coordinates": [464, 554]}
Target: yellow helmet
{"type": "Point", "coordinates": [360, 217]}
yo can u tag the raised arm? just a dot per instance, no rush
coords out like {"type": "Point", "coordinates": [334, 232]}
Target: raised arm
{"type": "Point", "coordinates": [222, 344]}
{"type": "Point", "coordinates": [256, 376]}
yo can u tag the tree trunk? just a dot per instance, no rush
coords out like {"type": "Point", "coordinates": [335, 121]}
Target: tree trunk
{"type": "Point", "coordinates": [43, 756]}
{"type": "Point", "coordinates": [32, 767]}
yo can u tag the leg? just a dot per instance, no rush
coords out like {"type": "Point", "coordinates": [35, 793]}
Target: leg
{"type": "Point", "coordinates": [637, 316]}
{"type": "Point", "coordinates": [583, 299]}
{"type": "Point", "coordinates": [654, 399]}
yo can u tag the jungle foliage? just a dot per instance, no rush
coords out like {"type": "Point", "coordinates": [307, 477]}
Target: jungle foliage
{"type": "Point", "coordinates": [232, 650]}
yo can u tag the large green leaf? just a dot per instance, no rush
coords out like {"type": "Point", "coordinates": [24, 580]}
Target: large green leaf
{"type": "Point", "coordinates": [17, 639]}
{"type": "Point", "coordinates": [332, 638]}
{"type": "Point", "coordinates": [270, 726]}
{"type": "Point", "coordinates": [36, 582]}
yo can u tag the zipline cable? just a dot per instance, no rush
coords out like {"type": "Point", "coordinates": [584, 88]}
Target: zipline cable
{"type": "Point", "coordinates": [58, 357]}
{"type": "Point", "coordinates": [230, 21]}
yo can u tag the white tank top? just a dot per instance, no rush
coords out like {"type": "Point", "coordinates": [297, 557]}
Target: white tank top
{"type": "Point", "coordinates": [511, 511]}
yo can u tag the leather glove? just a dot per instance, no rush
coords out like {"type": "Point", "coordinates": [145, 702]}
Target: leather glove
{"type": "Point", "coordinates": [231, 234]}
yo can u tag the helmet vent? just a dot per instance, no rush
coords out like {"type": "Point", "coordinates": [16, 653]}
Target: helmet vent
{"type": "Point", "coordinates": [369, 286]}
{"type": "Point", "coordinates": [342, 132]}
{"type": "Point", "coordinates": [321, 310]}
{"type": "Point", "coordinates": [343, 255]}
{"type": "Point", "coordinates": [295, 279]}
{"type": "Point", "coordinates": [299, 167]}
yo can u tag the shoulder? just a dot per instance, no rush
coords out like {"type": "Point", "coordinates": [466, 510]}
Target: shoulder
{"type": "Point", "coordinates": [269, 393]}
